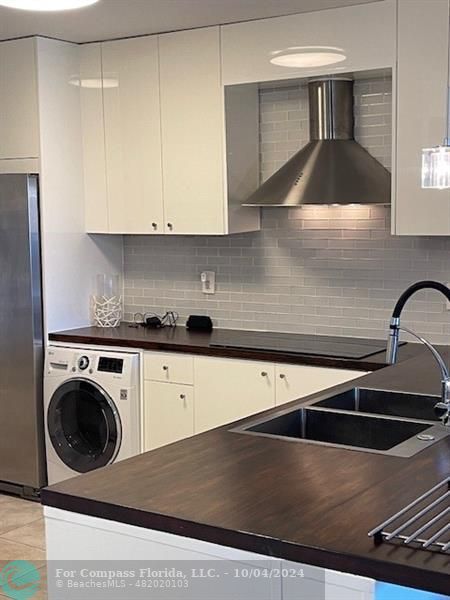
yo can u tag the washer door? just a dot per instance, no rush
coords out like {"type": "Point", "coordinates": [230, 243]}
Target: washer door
{"type": "Point", "coordinates": [83, 425]}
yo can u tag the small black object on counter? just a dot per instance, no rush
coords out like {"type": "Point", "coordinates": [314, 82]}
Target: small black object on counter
{"type": "Point", "coordinates": [199, 323]}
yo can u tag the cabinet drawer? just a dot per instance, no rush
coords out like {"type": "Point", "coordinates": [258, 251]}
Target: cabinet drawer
{"type": "Point", "coordinates": [168, 367]}
{"type": "Point", "coordinates": [297, 381]}
{"type": "Point", "coordinates": [168, 413]}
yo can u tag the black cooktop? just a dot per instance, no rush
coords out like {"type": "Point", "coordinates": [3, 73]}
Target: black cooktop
{"type": "Point", "coordinates": [318, 345]}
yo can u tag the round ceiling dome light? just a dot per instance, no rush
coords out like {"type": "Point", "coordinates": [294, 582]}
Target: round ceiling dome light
{"type": "Point", "coordinates": [46, 5]}
{"type": "Point", "coordinates": [304, 57]}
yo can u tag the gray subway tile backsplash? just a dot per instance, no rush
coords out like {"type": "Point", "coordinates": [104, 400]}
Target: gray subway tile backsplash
{"type": "Point", "coordinates": [322, 270]}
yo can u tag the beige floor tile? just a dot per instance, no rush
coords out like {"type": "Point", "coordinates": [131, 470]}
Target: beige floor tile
{"type": "Point", "coordinates": [14, 551]}
{"type": "Point", "coordinates": [15, 512]}
{"type": "Point", "coordinates": [22, 536]}
{"type": "Point", "coordinates": [8, 499]}
{"type": "Point", "coordinates": [32, 534]}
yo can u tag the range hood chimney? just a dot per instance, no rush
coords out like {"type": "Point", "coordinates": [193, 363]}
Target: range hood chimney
{"type": "Point", "coordinates": [332, 168]}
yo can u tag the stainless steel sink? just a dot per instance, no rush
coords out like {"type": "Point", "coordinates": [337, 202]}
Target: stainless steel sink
{"type": "Point", "coordinates": [370, 433]}
{"type": "Point", "coordinates": [381, 402]}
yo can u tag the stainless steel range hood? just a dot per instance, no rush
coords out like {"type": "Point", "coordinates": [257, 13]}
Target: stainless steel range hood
{"type": "Point", "coordinates": [332, 168]}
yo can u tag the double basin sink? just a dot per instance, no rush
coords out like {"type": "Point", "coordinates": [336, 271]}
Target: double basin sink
{"type": "Point", "coordinates": [386, 422]}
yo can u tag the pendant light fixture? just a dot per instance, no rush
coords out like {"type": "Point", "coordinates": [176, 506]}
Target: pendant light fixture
{"type": "Point", "coordinates": [46, 5]}
{"type": "Point", "coordinates": [436, 161]}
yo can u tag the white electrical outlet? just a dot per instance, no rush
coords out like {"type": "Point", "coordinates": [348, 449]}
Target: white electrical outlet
{"type": "Point", "coordinates": [208, 280]}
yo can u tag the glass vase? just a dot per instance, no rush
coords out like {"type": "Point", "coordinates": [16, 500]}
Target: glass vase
{"type": "Point", "coordinates": [107, 301]}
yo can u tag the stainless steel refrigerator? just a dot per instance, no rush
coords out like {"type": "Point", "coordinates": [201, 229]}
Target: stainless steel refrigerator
{"type": "Point", "coordinates": [22, 456]}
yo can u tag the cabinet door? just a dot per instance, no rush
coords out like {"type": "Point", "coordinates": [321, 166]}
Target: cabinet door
{"type": "Point", "coordinates": [192, 112]}
{"type": "Point", "coordinates": [297, 381]}
{"type": "Point", "coordinates": [133, 135]}
{"type": "Point", "coordinates": [93, 134]}
{"type": "Point", "coordinates": [421, 114]}
{"type": "Point", "coordinates": [363, 37]}
{"type": "Point", "coordinates": [19, 121]}
{"type": "Point", "coordinates": [227, 390]}
{"type": "Point", "coordinates": [168, 413]}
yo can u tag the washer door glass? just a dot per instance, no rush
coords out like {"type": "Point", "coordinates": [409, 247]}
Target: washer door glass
{"type": "Point", "coordinates": [83, 425]}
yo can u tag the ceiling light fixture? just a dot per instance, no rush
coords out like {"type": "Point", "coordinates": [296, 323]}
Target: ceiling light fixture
{"type": "Point", "coordinates": [436, 161]}
{"type": "Point", "coordinates": [305, 57]}
{"type": "Point", "coordinates": [46, 5]}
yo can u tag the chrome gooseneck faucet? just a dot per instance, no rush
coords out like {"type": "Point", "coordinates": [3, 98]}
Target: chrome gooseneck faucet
{"type": "Point", "coordinates": [442, 408]}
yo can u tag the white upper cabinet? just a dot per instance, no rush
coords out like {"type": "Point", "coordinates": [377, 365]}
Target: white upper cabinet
{"type": "Point", "coordinates": [423, 46]}
{"type": "Point", "coordinates": [132, 135]}
{"type": "Point", "coordinates": [156, 122]}
{"type": "Point", "coordinates": [171, 122]}
{"type": "Point", "coordinates": [120, 110]}
{"type": "Point", "coordinates": [19, 120]}
{"type": "Point", "coordinates": [93, 134]}
{"type": "Point", "coordinates": [192, 112]}
{"type": "Point", "coordinates": [364, 36]}
{"type": "Point", "coordinates": [197, 196]}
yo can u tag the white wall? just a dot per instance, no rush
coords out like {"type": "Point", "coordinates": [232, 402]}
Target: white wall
{"type": "Point", "coordinates": [71, 258]}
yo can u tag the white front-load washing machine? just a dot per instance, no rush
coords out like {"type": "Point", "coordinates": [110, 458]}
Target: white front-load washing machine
{"type": "Point", "coordinates": [92, 409]}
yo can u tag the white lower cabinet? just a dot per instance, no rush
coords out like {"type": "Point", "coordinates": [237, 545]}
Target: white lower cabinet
{"type": "Point", "coordinates": [95, 539]}
{"type": "Point", "coordinates": [297, 381]}
{"type": "Point", "coordinates": [227, 390]}
{"type": "Point", "coordinates": [324, 584]}
{"type": "Point", "coordinates": [168, 413]}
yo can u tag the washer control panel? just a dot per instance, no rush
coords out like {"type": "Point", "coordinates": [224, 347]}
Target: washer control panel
{"type": "Point", "coordinates": [100, 366]}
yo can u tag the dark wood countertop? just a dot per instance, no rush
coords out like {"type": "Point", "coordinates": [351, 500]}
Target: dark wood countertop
{"type": "Point", "coordinates": [180, 339]}
{"type": "Point", "coordinates": [298, 501]}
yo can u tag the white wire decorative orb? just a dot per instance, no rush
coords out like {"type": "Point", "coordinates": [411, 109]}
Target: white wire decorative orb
{"type": "Point", "coordinates": [107, 311]}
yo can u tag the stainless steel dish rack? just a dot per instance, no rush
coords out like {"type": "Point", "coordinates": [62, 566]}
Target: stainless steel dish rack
{"type": "Point", "coordinates": [424, 523]}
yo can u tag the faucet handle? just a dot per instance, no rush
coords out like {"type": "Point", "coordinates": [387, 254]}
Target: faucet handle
{"type": "Point", "coordinates": [442, 410]}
